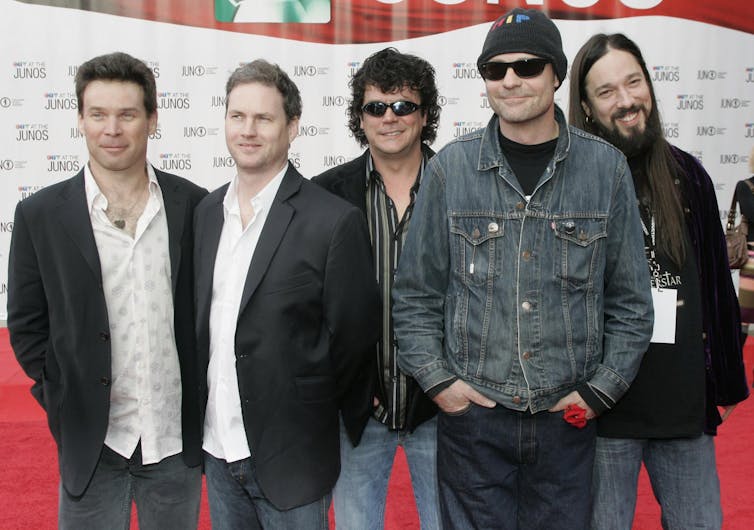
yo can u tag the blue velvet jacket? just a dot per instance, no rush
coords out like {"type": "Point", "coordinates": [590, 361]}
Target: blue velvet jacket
{"type": "Point", "coordinates": [726, 377]}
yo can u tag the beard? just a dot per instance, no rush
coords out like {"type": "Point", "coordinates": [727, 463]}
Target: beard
{"type": "Point", "coordinates": [635, 142]}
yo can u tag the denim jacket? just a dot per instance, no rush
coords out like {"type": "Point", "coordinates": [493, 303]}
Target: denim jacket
{"type": "Point", "coordinates": [525, 300]}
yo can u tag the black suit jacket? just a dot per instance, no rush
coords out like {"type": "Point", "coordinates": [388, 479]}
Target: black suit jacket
{"type": "Point", "coordinates": [58, 321]}
{"type": "Point", "coordinates": [349, 181]}
{"type": "Point", "coordinates": [305, 329]}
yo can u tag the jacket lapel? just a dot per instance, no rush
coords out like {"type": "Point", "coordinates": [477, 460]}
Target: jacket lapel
{"type": "Point", "coordinates": [274, 228]}
{"type": "Point", "coordinates": [74, 218]}
{"type": "Point", "coordinates": [207, 242]}
{"type": "Point", "coordinates": [175, 213]}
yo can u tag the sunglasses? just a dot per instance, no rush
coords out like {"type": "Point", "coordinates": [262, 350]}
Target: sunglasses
{"type": "Point", "coordinates": [400, 108]}
{"type": "Point", "coordinates": [495, 71]}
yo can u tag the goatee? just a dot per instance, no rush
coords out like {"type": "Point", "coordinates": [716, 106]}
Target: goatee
{"type": "Point", "coordinates": [636, 142]}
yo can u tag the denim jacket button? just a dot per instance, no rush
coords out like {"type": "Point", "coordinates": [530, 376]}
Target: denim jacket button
{"type": "Point", "coordinates": [526, 306]}
{"type": "Point", "coordinates": [526, 254]}
{"type": "Point", "coordinates": [492, 228]}
{"type": "Point", "coordinates": [520, 206]}
{"type": "Point", "coordinates": [526, 355]}
{"type": "Point", "coordinates": [516, 399]}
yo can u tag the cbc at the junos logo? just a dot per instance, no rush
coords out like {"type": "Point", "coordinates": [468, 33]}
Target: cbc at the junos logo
{"type": "Point", "coordinates": [352, 67]}
{"type": "Point", "coordinates": [32, 132]}
{"type": "Point", "coordinates": [173, 100]}
{"type": "Point", "coordinates": [28, 191]}
{"type": "Point", "coordinates": [465, 71]}
{"type": "Point", "coordinates": [461, 128]}
{"type": "Point", "coordinates": [60, 101]}
{"type": "Point", "coordinates": [666, 74]}
{"type": "Point", "coordinates": [63, 163]}
{"type": "Point", "coordinates": [690, 102]}
{"type": "Point", "coordinates": [6, 164]}
{"type": "Point", "coordinates": [29, 70]}
{"type": "Point", "coordinates": [175, 161]}
{"type": "Point", "coordinates": [710, 130]}
{"type": "Point", "coordinates": [671, 129]}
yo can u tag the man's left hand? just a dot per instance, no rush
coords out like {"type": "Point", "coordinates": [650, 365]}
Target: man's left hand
{"type": "Point", "coordinates": [574, 398]}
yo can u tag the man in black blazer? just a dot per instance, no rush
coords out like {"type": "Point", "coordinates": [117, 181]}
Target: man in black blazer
{"type": "Point", "coordinates": [286, 305]}
{"type": "Point", "coordinates": [100, 314]}
{"type": "Point", "coordinates": [394, 112]}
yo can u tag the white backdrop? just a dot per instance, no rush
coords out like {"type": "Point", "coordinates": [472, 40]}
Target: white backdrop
{"type": "Point", "coordinates": [703, 75]}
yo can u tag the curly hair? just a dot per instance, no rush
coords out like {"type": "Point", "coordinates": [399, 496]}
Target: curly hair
{"type": "Point", "coordinates": [389, 70]}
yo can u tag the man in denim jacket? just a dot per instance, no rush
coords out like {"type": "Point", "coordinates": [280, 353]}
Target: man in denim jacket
{"type": "Point", "coordinates": [522, 292]}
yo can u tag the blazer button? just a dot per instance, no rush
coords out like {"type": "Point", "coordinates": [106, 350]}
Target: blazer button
{"type": "Point", "coordinates": [105, 381]}
{"type": "Point", "coordinates": [104, 336]}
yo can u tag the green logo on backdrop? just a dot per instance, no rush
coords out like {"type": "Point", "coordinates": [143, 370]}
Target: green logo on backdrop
{"type": "Point", "coordinates": [275, 11]}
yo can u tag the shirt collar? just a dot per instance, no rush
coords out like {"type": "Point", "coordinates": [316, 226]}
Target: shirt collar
{"type": "Point", "coordinates": [262, 200]}
{"type": "Point", "coordinates": [372, 175]}
{"type": "Point", "coordinates": [95, 197]}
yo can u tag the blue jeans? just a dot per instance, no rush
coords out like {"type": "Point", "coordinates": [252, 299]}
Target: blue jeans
{"type": "Point", "coordinates": [360, 493]}
{"type": "Point", "coordinates": [682, 472]}
{"type": "Point", "coordinates": [503, 469]}
{"type": "Point", "coordinates": [166, 494]}
{"type": "Point", "coordinates": [236, 502]}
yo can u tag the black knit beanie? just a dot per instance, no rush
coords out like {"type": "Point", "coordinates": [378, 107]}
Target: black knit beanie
{"type": "Point", "coordinates": [526, 31]}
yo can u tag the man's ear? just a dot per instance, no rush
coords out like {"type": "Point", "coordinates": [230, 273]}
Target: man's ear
{"type": "Point", "coordinates": [586, 108]}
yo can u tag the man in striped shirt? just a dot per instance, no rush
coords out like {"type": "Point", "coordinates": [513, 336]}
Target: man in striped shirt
{"type": "Point", "coordinates": [394, 112]}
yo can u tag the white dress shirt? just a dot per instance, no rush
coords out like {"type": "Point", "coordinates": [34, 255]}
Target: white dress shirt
{"type": "Point", "coordinates": [224, 433]}
{"type": "Point", "coordinates": [145, 393]}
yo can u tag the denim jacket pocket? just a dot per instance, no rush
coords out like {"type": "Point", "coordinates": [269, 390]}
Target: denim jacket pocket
{"type": "Point", "coordinates": [477, 246]}
{"type": "Point", "coordinates": [579, 244]}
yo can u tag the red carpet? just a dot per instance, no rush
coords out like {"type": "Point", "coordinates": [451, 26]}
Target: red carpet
{"type": "Point", "coordinates": [29, 475]}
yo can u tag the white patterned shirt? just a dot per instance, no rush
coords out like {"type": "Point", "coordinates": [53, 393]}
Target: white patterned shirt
{"type": "Point", "coordinates": [145, 394]}
{"type": "Point", "coordinates": [224, 433]}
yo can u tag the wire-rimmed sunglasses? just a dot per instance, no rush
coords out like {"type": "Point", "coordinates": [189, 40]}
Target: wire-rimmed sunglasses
{"type": "Point", "coordinates": [400, 108]}
{"type": "Point", "coordinates": [524, 68]}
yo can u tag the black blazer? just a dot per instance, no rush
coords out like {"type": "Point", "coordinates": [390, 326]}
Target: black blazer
{"type": "Point", "coordinates": [58, 321]}
{"type": "Point", "coordinates": [305, 330]}
{"type": "Point", "coordinates": [349, 181]}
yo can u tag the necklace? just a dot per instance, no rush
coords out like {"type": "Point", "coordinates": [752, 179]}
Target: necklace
{"type": "Point", "coordinates": [121, 215]}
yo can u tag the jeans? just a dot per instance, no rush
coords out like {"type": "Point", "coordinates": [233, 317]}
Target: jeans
{"type": "Point", "coordinates": [682, 472]}
{"type": "Point", "coordinates": [503, 469]}
{"type": "Point", "coordinates": [166, 494]}
{"type": "Point", "coordinates": [360, 493]}
{"type": "Point", "coordinates": [236, 502]}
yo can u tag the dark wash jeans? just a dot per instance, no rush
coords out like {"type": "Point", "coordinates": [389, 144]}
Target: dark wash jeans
{"type": "Point", "coordinates": [166, 494]}
{"type": "Point", "coordinates": [503, 469]}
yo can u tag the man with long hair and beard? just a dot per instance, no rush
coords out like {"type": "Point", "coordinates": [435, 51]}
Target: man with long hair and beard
{"type": "Point", "coordinates": [669, 415]}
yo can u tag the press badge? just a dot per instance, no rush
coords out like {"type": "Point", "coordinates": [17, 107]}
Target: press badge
{"type": "Point", "coordinates": [665, 306]}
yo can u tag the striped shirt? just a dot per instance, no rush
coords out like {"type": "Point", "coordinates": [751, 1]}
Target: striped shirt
{"type": "Point", "coordinates": [388, 233]}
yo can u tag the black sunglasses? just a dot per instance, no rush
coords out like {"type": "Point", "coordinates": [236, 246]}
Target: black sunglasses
{"type": "Point", "coordinates": [400, 108]}
{"type": "Point", "coordinates": [495, 71]}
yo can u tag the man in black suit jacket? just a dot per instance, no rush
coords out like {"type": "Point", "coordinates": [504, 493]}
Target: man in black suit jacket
{"type": "Point", "coordinates": [100, 314]}
{"type": "Point", "coordinates": [286, 304]}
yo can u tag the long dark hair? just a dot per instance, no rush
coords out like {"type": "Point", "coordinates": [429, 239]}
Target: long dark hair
{"type": "Point", "coordinates": [660, 185]}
